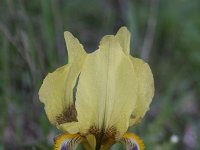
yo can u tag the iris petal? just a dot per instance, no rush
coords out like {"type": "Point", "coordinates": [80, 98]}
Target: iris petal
{"type": "Point", "coordinates": [123, 36]}
{"type": "Point", "coordinates": [107, 88]}
{"type": "Point", "coordinates": [132, 142]}
{"type": "Point", "coordinates": [56, 91]}
{"type": "Point", "coordinates": [52, 94]}
{"type": "Point", "coordinates": [68, 141]}
{"type": "Point", "coordinates": [145, 89]}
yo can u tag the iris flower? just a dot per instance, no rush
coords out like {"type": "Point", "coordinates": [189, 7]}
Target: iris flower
{"type": "Point", "coordinates": [97, 96]}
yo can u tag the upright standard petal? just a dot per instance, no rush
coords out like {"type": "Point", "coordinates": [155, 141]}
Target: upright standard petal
{"type": "Point", "coordinates": [57, 88]}
{"type": "Point", "coordinates": [145, 89]}
{"type": "Point", "coordinates": [74, 48]}
{"type": "Point", "coordinates": [76, 55]}
{"type": "Point", "coordinates": [124, 36]}
{"type": "Point", "coordinates": [107, 89]}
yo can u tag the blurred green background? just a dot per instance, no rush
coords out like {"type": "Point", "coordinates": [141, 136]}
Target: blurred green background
{"type": "Point", "coordinates": [165, 33]}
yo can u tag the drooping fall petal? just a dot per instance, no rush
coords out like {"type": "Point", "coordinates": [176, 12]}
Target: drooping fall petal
{"type": "Point", "coordinates": [132, 142]}
{"type": "Point", "coordinates": [68, 141]}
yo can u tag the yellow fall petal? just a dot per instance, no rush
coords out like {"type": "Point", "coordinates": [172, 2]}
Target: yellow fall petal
{"type": "Point", "coordinates": [145, 89]}
{"type": "Point", "coordinates": [107, 88]}
{"type": "Point", "coordinates": [68, 141]}
{"type": "Point", "coordinates": [132, 141]}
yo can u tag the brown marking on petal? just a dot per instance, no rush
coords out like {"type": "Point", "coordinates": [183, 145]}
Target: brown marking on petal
{"type": "Point", "coordinates": [104, 136]}
{"type": "Point", "coordinates": [94, 130]}
{"type": "Point", "coordinates": [111, 132]}
{"type": "Point", "coordinates": [110, 136]}
{"type": "Point", "coordinates": [133, 116]}
{"type": "Point", "coordinates": [68, 115]}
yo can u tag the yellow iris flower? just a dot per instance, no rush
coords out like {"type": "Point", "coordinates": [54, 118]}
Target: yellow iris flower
{"type": "Point", "coordinates": [97, 96]}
